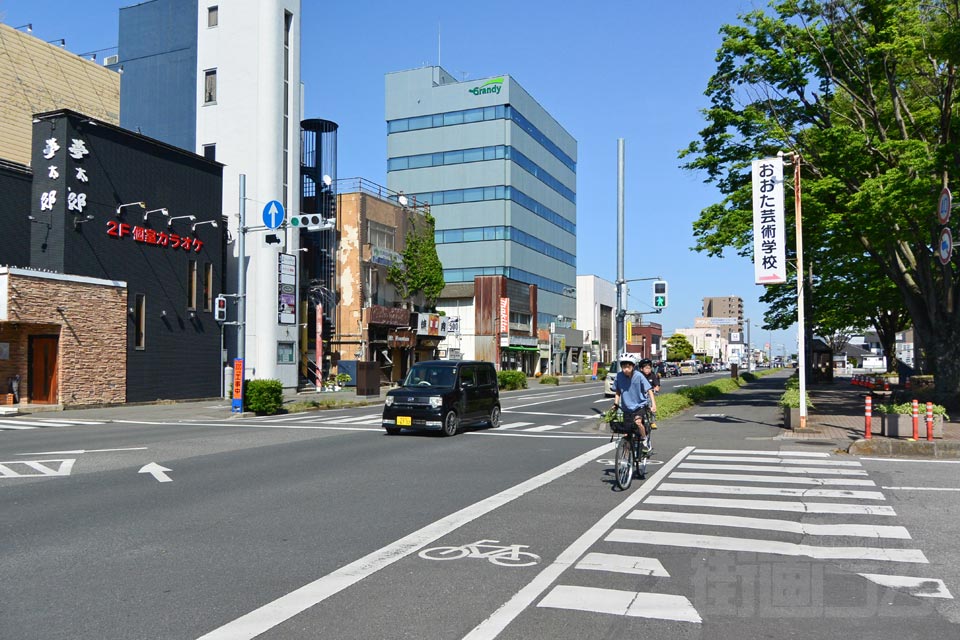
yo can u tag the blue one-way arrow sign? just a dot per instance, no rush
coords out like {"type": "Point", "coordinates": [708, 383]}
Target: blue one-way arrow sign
{"type": "Point", "coordinates": [273, 214]}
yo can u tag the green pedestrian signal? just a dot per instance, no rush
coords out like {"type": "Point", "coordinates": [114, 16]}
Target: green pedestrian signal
{"type": "Point", "coordinates": [660, 294]}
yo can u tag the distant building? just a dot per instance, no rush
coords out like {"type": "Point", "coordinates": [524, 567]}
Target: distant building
{"type": "Point", "coordinates": [499, 173]}
{"type": "Point", "coordinates": [725, 307]}
{"type": "Point", "coordinates": [596, 316]}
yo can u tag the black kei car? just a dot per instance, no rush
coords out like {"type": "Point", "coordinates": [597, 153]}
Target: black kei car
{"type": "Point", "coordinates": [442, 395]}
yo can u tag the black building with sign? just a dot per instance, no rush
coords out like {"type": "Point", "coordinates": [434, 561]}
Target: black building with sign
{"type": "Point", "coordinates": [115, 205]}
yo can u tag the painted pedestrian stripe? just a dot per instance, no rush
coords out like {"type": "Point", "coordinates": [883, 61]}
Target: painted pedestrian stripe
{"type": "Point", "coordinates": [546, 427]}
{"type": "Point", "coordinates": [36, 468]}
{"type": "Point", "coordinates": [919, 587]}
{"type": "Point", "coordinates": [623, 564]}
{"type": "Point", "coordinates": [772, 491]}
{"type": "Point", "coordinates": [736, 477]}
{"type": "Point", "coordinates": [39, 423]}
{"type": "Point", "coordinates": [514, 425]}
{"type": "Point", "coordinates": [658, 606]}
{"type": "Point", "coordinates": [773, 505]}
{"type": "Point", "coordinates": [768, 469]}
{"type": "Point", "coordinates": [748, 545]}
{"type": "Point", "coordinates": [772, 524]}
{"type": "Point", "coordinates": [772, 460]}
{"type": "Point", "coordinates": [738, 452]}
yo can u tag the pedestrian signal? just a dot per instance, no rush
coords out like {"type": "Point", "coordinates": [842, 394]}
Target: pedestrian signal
{"type": "Point", "coordinates": [660, 294]}
{"type": "Point", "coordinates": [220, 308]}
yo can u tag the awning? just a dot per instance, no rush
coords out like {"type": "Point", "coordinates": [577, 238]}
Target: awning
{"type": "Point", "coordinates": [521, 348]}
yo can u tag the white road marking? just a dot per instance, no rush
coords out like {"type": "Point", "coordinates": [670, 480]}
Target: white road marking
{"type": "Point", "coordinates": [773, 491]}
{"type": "Point", "coordinates": [697, 541]}
{"type": "Point", "coordinates": [43, 468]}
{"type": "Point", "coordinates": [826, 463]}
{"type": "Point", "coordinates": [768, 469]}
{"type": "Point", "coordinates": [772, 524]}
{"type": "Point", "coordinates": [919, 587]}
{"type": "Point", "coordinates": [159, 473]}
{"type": "Point", "coordinates": [77, 451]}
{"type": "Point", "coordinates": [734, 477]}
{"type": "Point", "coordinates": [551, 400]}
{"type": "Point", "coordinates": [607, 399]}
{"type": "Point", "coordinates": [545, 427]}
{"type": "Point", "coordinates": [499, 619]}
{"type": "Point", "coordinates": [14, 427]}
{"type": "Point", "coordinates": [550, 415]}
{"type": "Point", "coordinates": [923, 488]}
{"type": "Point", "coordinates": [659, 606]}
{"type": "Point", "coordinates": [4, 424]}
{"type": "Point", "coordinates": [514, 425]}
{"type": "Point", "coordinates": [774, 505]}
{"type": "Point", "coordinates": [525, 434]}
{"type": "Point", "coordinates": [738, 452]}
{"type": "Point", "coordinates": [623, 564]}
{"type": "Point", "coordinates": [925, 461]}
{"type": "Point", "coordinates": [273, 613]}
{"type": "Point", "coordinates": [353, 420]}
{"type": "Point", "coordinates": [570, 422]}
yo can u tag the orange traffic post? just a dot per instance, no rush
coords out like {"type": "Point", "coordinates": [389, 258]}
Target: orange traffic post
{"type": "Point", "coordinates": [916, 419]}
{"type": "Point", "coordinates": [929, 421]}
{"type": "Point", "coordinates": [868, 413]}
{"type": "Point", "coordinates": [886, 384]}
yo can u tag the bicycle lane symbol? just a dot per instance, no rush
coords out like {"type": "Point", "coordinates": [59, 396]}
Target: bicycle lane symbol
{"type": "Point", "coordinates": [501, 555]}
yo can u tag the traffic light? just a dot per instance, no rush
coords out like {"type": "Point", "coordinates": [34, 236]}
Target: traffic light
{"type": "Point", "coordinates": [311, 222]}
{"type": "Point", "coordinates": [660, 294]}
{"type": "Point", "coordinates": [220, 308]}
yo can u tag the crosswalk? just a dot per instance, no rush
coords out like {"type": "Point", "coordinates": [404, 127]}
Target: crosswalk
{"type": "Point", "coordinates": [13, 424]}
{"type": "Point", "coordinates": [375, 420]}
{"type": "Point", "coordinates": [713, 502]}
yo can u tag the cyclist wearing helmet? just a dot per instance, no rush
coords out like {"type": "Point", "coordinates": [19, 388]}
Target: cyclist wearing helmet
{"type": "Point", "coordinates": [632, 392]}
{"type": "Point", "coordinates": [646, 368]}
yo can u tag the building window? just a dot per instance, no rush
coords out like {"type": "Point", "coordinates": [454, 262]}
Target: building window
{"type": "Point", "coordinates": [380, 235]}
{"type": "Point", "coordinates": [210, 86]}
{"type": "Point", "coordinates": [210, 151]}
{"type": "Point", "coordinates": [192, 285]}
{"type": "Point", "coordinates": [139, 321]}
{"type": "Point", "coordinates": [213, 16]}
{"type": "Point", "coordinates": [208, 287]}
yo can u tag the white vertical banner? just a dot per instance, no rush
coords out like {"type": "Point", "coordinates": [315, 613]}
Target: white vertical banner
{"type": "Point", "coordinates": [769, 238]}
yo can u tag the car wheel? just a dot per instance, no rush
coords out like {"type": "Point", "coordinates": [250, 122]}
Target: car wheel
{"type": "Point", "coordinates": [451, 423]}
{"type": "Point", "coordinates": [393, 431]}
{"type": "Point", "coordinates": [494, 417]}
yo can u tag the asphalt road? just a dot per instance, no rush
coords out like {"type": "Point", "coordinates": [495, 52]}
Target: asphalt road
{"type": "Point", "coordinates": [321, 526]}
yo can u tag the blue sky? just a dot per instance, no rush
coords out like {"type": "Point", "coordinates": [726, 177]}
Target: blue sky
{"type": "Point", "coordinates": [634, 70]}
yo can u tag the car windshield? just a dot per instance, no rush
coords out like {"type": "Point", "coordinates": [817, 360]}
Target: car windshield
{"type": "Point", "coordinates": [429, 376]}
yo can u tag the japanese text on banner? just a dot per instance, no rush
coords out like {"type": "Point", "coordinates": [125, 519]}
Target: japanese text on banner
{"type": "Point", "coordinates": [769, 238]}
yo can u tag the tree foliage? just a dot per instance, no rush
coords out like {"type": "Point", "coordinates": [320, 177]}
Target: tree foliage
{"type": "Point", "coordinates": [678, 347]}
{"type": "Point", "coordinates": [420, 270]}
{"type": "Point", "coordinates": [865, 92]}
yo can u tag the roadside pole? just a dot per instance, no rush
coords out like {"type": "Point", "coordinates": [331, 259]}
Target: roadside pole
{"type": "Point", "coordinates": [621, 312]}
{"type": "Point", "coordinates": [802, 341]}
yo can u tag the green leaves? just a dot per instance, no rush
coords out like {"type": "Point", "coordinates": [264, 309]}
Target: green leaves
{"type": "Point", "coordinates": [420, 270]}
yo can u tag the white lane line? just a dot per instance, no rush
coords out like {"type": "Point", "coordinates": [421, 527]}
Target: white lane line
{"type": "Point", "coordinates": [773, 524]}
{"type": "Point", "coordinates": [570, 422]}
{"type": "Point", "coordinates": [14, 427]}
{"type": "Point", "coordinates": [925, 461]}
{"type": "Point", "coordinates": [552, 400]}
{"type": "Point", "coordinates": [825, 463]}
{"type": "Point", "coordinates": [923, 488]}
{"type": "Point", "coordinates": [33, 423]}
{"type": "Point", "coordinates": [355, 419]}
{"type": "Point", "coordinates": [773, 491]}
{"type": "Point", "coordinates": [71, 421]}
{"type": "Point", "coordinates": [285, 607]}
{"type": "Point", "coordinates": [606, 399]}
{"type": "Point", "coordinates": [773, 505]}
{"type": "Point", "coordinates": [637, 565]}
{"type": "Point", "coordinates": [514, 425]}
{"type": "Point", "coordinates": [919, 587]}
{"type": "Point", "coordinates": [551, 415]}
{"type": "Point", "coordinates": [499, 619]}
{"type": "Point", "coordinates": [659, 606]}
{"type": "Point", "coordinates": [525, 434]}
{"type": "Point", "coordinates": [735, 477]}
{"type": "Point", "coordinates": [768, 469]}
{"type": "Point", "coordinates": [696, 541]}
{"type": "Point", "coordinates": [799, 454]}
{"type": "Point", "coordinates": [546, 427]}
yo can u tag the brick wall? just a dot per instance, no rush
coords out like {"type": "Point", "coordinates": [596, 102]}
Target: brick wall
{"type": "Point", "coordinates": [92, 330]}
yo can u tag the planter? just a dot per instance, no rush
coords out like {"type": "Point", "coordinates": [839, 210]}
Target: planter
{"type": "Point", "coordinates": [791, 417]}
{"type": "Point", "coordinates": [897, 425]}
{"type": "Point", "coordinates": [6, 398]}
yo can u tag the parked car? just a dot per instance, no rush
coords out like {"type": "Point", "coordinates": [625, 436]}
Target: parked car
{"type": "Point", "coordinates": [689, 367]}
{"type": "Point", "coordinates": [612, 370]}
{"type": "Point", "coordinates": [443, 395]}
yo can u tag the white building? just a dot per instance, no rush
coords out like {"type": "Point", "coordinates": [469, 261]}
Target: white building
{"type": "Point", "coordinates": [596, 315]}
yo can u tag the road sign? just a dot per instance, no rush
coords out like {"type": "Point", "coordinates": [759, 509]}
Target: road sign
{"type": "Point", "coordinates": [273, 214]}
{"type": "Point", "coordinates": [945, 250]}
{"type": "Point", "coordinates": [723, 321]}
{"type": "Point", "coordinates": [944, 205]}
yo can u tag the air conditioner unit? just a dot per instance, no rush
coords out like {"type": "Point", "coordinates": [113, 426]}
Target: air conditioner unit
{"type": "Point", "coordinates": [109, 60]}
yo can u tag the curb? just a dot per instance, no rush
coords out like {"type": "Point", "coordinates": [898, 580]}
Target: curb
{"type": "Point", "coordinates": [885, 447]}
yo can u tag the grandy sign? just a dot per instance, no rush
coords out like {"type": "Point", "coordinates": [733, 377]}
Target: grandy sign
{"type": "Point", "coordinates": [490, 86]}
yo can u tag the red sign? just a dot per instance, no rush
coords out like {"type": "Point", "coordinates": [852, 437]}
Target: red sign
{"type": "Point", "coordinates": [504, 315]}
{"type": "Point", "coordinates": [237, 379]}
{"type": "Point", "coordinates": [146, 235]}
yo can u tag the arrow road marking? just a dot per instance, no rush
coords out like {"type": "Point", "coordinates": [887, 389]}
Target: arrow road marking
{"type": "Point", "coordinates": [158, 472]}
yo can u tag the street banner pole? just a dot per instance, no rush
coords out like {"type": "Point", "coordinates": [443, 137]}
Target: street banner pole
{"type": "Point", "coordinates": [802, 341]}
{"type": "Point", "coordinates": [621, 303]}
{"type": "Point", "coordinates": [238, 364]}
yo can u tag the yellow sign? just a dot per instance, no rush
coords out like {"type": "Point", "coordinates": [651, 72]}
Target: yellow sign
{"type": "Point", "coordinates": [403, 421]}
{"type": "Point", "coordinates": [629, 332]}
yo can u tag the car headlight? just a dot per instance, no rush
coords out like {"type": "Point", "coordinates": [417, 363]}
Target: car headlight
{"type": "Point", "coordinates": [389, 401]}
{"type": "Point", "coordinates": [436, 402]}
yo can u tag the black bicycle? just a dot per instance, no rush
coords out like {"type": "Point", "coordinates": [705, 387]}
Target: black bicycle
{"type": "Point", "coordinates": [630, 455]}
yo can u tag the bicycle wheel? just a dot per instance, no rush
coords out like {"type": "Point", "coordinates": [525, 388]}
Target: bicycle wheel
{"type": "Point", "coordinates": [623, 463]}
{"type": "Point", "coordinates": [444, 553]}
{"type": "Point", "coordinates": [512, 558]}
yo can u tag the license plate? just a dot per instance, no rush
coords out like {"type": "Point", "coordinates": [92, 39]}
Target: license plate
{"type": "Point", "coordinates": [404, 421]}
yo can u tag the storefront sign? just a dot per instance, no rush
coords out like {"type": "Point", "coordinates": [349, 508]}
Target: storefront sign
{"type": "Point", "coordinates": [431, 324]}
{"type": "Point", "coordinates": [145, 235]}
{"type": "Point", "coordinates": [379, 255]}
{"type": "Point", "coordinates": [237, 404]}
{"type": "Point", "coordinates": [399, 339]}
{"type": "Point", "coordinates": [504, 315]}
{"type": "Point", "coordinates": [391, 316]}
{"type": "Point", "coordinates": [490, 86]}
{"type": "Point", "coordinates": [287, 288]}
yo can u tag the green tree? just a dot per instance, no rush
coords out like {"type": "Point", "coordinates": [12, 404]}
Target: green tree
{"type": "Point", "coordinates": [865, 92]}
{"type": "Point", "coordinates": [678, 347]}
{"type": "Point", "coordinates": [419, 270]}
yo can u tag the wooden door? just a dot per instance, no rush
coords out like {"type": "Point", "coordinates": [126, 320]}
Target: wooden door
{"type": "Point", "coordinates": [42, 364]}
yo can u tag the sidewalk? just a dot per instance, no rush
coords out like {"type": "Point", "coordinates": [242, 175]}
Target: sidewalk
{"type": "Point", "coordinates": [838, 416]}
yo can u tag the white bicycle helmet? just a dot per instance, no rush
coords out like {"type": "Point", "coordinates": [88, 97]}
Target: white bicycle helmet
{"type": "Point", "coordinates": [628, 357]}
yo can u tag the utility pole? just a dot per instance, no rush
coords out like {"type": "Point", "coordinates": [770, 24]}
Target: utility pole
{"type": "Point", "coordinates": [621, 312]}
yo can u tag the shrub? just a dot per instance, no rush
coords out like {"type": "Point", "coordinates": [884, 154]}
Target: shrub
{"type": "Point", "coordinates": [601, 373]}
{"type": "Point", "coordinates": [264, 397]}
{"type": "Point", "coordinates": [550, 380]}
{"type": "Point", "coordinates": [906, 409]}
{"type": "Point", "coordinates": [580, 378]}
{"type": "Point", "coordinates": [511, 380]}
{"type": "Point", "coordinates": [670, 404]}
{"type": "Point", "coordinates": [793, 382]}
{"type": "Point", "coordinates": [749, 377]}
{"type": "Point", "coordinates": [791, 399]}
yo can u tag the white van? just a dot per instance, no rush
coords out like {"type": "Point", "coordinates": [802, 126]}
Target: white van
{"type": "Point", "coordinates": [689, 367]}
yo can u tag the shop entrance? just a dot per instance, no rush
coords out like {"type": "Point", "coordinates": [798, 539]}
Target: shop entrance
{"type": "Point", "coordinates": [42, 365]}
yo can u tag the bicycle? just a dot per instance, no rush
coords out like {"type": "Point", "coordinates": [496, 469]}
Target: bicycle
{"type": "Point", "coordinates": [630, 456]}
{"type": "Point", "coordinates": [502, 555]}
